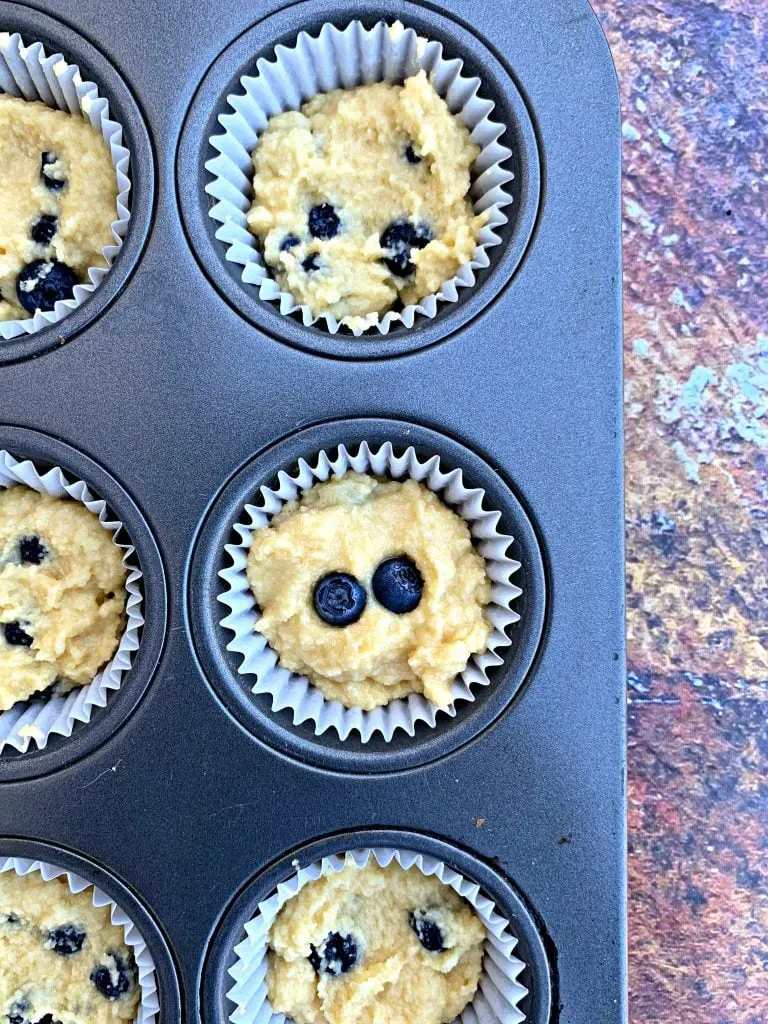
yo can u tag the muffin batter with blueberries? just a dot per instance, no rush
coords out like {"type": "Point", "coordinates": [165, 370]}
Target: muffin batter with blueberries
{"type": "Point", "coordinates": [61, 958]}
{"type": "Point", "coordinates": [62, 594]}
{"type": "Point", "coordinates": [374, 945]}
{"type": "Point", "coordinates": [58, 199]}
{"type": "Point", "coordinates": [372, 589]}
{"type": "Point", "coordinates": [361, 198]}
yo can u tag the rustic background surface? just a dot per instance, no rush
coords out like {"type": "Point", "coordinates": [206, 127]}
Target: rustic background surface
{"type": "Point", "coordinates": [694, 87]}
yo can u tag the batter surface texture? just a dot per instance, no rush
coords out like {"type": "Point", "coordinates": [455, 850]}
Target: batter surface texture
{"type": "Point", "coordinates": [58, 199]}
{"type": "Point", "coordinates": [374, 945]}
{"type": "Point", "coordinates": [62, 594]}
{"type": "Point", "coordinates": [61, 958]}
{"type": "Point", "coordinates": [352, 525]}
{"type": "Point", "coordinates": [361, 198]}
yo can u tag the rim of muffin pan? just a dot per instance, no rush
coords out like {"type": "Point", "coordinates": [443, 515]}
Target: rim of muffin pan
{"type": "Point", "coordinates": [168, 989]}
{"type": "Point", "coordinates": [34, 26]}
{"type": "Point", "coordinates": [221, 667]}
{"type": "Point", "coordinates": [210, 101]}
{"type": "Point", "coordinates": [537, 976]}
{"type": "Point", "coordinates": [61, 751]}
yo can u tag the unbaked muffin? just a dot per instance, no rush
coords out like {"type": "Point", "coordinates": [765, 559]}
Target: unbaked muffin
{"type": "Point", "coordinates": [372, 589]}
{"type": "Point", "coordinates": [361, 198]}
{"type": "Point", "coordinates": [62, 594]}
{"type": "Point", "coordinates": [379, 945]}
{"type": "Point", "coordinates": [61, 958]}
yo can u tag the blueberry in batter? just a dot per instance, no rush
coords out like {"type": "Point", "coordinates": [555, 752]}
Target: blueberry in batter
{"type": "Point", "coordinates": [43, 283]}
{"type": "Point", "coordinates": [398, 585]}
{"type": "Point", "coordinates": [339, 599]}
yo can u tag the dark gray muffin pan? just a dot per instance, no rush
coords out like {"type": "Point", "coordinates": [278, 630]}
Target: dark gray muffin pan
{"type": "Point", "coordinates": [175, 393]}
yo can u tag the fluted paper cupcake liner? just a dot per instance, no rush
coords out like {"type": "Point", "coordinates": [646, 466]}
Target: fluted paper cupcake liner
{"type": "Point", "coordinates": [499, 993]}
{"type": "Point", "coordinates": [149, 1005]}
{"type": "Point", "coordinates": [344, 59]}
{"type": "Point", "coordinates": [294, 692]}
{"type": "Point", "coordinates": [36, 720]}
{"type": "Point", "coordinates": [26, 71]}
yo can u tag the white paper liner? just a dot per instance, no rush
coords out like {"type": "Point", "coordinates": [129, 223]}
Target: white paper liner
{"type": "Point", "coordinates": [149, 1006]}
{"type": "Point", "coordinates": [294, 692]}
{"type": "Point", "coordinates": [344, 59]}
{"type": "Point", "coordinates": [34, 721]}
{"type": "Point", "coordinates": [499, 993]}
{"type": "Point", "coordinates": [29, 73]}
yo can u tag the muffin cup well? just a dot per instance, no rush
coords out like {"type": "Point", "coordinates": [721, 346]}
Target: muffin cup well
{"type": "Point", "coordinates": [149, 1005]}
{"type": "Point", "coordinates": [26, 71]}
{"type": "Point", "coordinates": [35, 720]}
{"type": "Point", "coordinates": [498, 995]}
{"type": "Point", "coordinates": [294, 692]}
{"type": "Point", "coordinates": [347, 58]}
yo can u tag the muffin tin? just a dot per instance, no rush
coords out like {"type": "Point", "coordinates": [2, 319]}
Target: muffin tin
{"type": "Point", "coordinates": [174, 393]}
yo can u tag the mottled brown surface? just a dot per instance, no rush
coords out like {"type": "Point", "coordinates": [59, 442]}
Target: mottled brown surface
{"type": "Point", "coordinates": [694, 86]}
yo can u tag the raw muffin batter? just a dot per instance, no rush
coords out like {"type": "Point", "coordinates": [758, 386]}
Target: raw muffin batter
{"type": "Point", "coordinates": [61, 958]}
{"type": "Point", "coordinates": [400, 590]}
{"type": "Point", "coordinates": [58, 199]}
{"type": "Point", "coordinates": [374, 945]}
{"type": "Point", "coordinates": [361, 198]}
{"type": "Point", "coordinates": [62, 594]}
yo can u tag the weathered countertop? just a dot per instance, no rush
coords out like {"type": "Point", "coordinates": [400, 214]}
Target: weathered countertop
{"type": "Point", "coordinates": [694, 87]}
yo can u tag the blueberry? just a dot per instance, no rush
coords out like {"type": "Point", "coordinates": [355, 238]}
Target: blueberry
{"type": "Point", "coordinates": [11, 918]}
{"type": "Point", "coordinates": [15, 635]}
{"type": "Point", "coordinates": [398, 585]}
{"type": "Point", "coordinates": [52, 690]}
{"type": "Point", "coordinates": [52, 183]}
{"type": "Point", "coordinates": [428, 932]}
{"type": "Point", "coordinates": [42, 283]}
{"type": "Point", "coordinates": [398, 240]}
{"type": "Point", "coordinates": [113, 980]}
{"type": "Point", "coordinates": [411, 155]}
{"type": "Point", "coordinates": [18, 1012]}
{"type": "Point", "coordinates": [32, 550]}
{"type": "Point", "coordinates": [20, 1009]}
{"type": "Point", "coordinates": [337, 955]}
{"type": "Point", "coordinates": [289, 242]}
{"type": "Point", "coordinates": [311, 262]}
{"type": "Point", "coordinates": [339, 599]}
{"type": "Point", "coordinates": [44, 228]}
{"type": "Point", "coordinates": [323, 221]}
{"type": "Point", "coordinates": [66, 940]}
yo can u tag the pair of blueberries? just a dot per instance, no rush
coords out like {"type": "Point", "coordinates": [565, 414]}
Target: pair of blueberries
{"type": "Point", "coordinates": [32, 551]}
{"type": "Point", "coordinates": [324, 224]}
{"type": "Point", "coordinates": [111, 980]}
{"type": "Point", "coordinates": [398, 239]}
{"type": "Point", "coordinates": [338, 954]}
{"type": "Point", "coordinates": [340, 599]}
